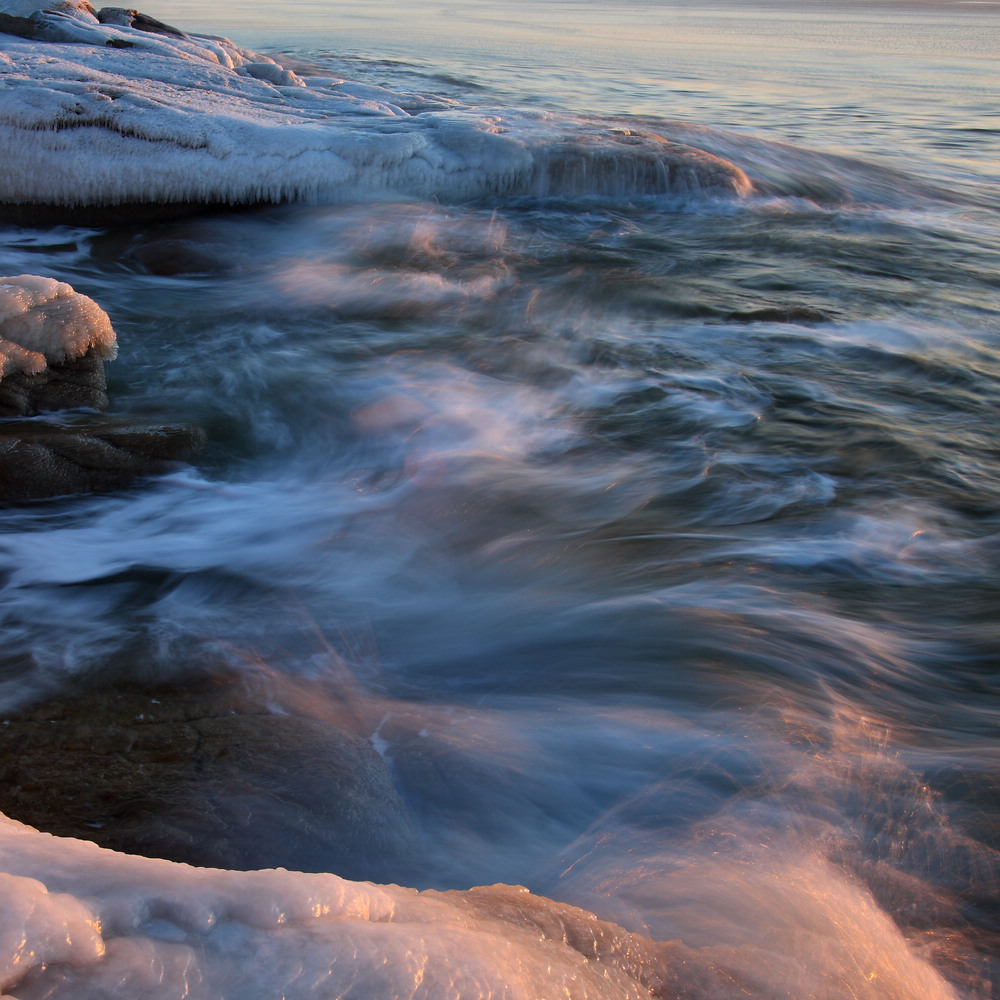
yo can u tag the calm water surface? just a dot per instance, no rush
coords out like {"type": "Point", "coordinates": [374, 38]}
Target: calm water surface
{"type": "Point", "coordinates": [667, 526]}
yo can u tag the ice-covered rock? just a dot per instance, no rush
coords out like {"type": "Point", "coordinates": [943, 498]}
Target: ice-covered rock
{"type": "Point", "coordinates": [116, 109]}
{"type": "Point", "coordinates": [46, 322]}
{"type": "Point", "coordinates": [28, 8]}
{"type": "Point", "coordinates": [53, 345]}
{"type": "Point", "coordinates": [81, 922]}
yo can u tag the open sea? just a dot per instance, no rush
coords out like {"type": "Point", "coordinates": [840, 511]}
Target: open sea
{"type": "Point", "coordinates": [650, 536]}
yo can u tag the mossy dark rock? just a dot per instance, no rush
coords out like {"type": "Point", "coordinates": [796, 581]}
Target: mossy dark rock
{"type": "Point", "coordinates": [206, 776]}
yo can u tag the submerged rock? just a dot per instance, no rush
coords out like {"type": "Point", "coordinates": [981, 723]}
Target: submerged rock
{"type": "Point", "coordinates": [206, 775]}
{"type": "Point", "coordinates": [169, 256]}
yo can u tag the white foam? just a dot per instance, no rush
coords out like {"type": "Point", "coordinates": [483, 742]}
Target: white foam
{"type": "Point", "coordinates": [109, 114]}
{"type": "Point", "coordinates": [44, 321]}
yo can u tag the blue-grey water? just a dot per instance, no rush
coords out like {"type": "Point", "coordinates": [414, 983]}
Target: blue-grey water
{"type": "Point", "coordinates": [665, 527]}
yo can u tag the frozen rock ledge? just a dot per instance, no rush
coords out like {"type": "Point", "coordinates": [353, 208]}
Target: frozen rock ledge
{"type": "Point", "coordinates": [79, 921]}
{"type": "Point", "coordinates": [113, 110]}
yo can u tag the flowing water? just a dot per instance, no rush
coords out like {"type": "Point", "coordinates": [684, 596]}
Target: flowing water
{"type": "Point", "coordinates": [658, 533]}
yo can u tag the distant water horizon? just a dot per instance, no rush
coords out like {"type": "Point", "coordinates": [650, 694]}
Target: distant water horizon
{"type": "Point", "coordinates": [824, 71]}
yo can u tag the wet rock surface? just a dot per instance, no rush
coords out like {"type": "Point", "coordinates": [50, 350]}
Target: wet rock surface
{"type": "Point", "coordinates": [43, 24]}
{"type": "Point", "coordinates": [121, 215]}
{"type": "Point", "coordinates": [22, 27]}
{"type": "Point", "coordinates": [127, 18]}
{"type": "Point", "coordinates": [171, 256]}
{"type": "Point", "coordinates": [204, 775]}
{"type": "Point", "coordinates": [80, 382]}
{"type": "Point", "coordinates": [39, 459]}
{"type": "Point", "coordinates": [51, 446]}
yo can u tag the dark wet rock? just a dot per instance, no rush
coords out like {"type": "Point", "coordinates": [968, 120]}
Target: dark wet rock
{"type": "Point", "coordinates": [126, 18]}
{"type": "Point", "coordinates": [79, 382]}
{"type": "Point", "coordinates": [23, 27]}
{"type": "Point", "coordinates": [205, 775]}
{"type": "Point", "coordinates": [46, 453]}
{"type": "Point", "coordinates": [39, 460]}
{"type": "Point", "coordinates": [42, 27]}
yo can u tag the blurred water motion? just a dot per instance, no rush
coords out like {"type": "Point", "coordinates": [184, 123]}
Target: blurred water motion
{"type": "Point", "coordinates": [649, 542]}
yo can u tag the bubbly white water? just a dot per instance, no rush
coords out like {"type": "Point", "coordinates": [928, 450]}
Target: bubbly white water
{"type": "Point", "coordinates": [647, 531]}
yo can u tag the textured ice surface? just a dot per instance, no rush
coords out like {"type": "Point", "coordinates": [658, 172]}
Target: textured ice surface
{"type": "Point", "coordinates": [44, 321]}
{"type": "Point", "coordinates": [101, 113]}
{"type": "Point", "coordinates": [81, 922]}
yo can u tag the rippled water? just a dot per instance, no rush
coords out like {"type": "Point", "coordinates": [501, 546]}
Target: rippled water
{"type": "Point", "coordinates": [654, 539]}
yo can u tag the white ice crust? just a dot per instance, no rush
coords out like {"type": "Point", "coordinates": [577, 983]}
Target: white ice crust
{"type": "Point", "coordinates": [78, 921]}
{"type": "Point", "coordinates": [105, 113]}
{"type": "Point", "coordinates": [44, 321]}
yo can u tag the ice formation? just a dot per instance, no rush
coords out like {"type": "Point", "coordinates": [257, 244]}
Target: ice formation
{"type": "Point", "coordinates": [44, 321]}
{"type": "Point", "coordinates": [107, 108]}
{"type": "Point", "coordinates": [78, 921]}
